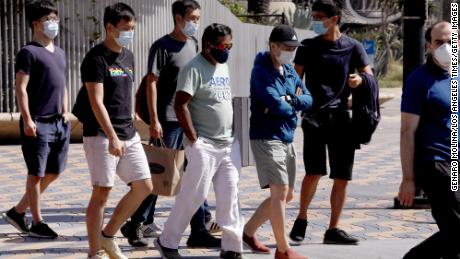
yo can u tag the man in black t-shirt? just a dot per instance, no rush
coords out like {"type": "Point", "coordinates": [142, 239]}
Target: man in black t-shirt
{"type": "Point", "coordinates": [166, 57]}
{"type": "Point", "coordinates": [112, 145]}
{"type": "Point", "coordinates": [328, 63]}
{"type": "Point", "coordinates": [44, 124]}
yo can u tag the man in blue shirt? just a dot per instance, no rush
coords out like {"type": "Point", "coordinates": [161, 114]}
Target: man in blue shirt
{"type": "Point", "coordinates": [425, 145]}
{"type": "Point", "coordinates": [277, 93]}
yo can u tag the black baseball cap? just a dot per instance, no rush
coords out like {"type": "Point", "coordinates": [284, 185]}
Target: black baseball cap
{"type": "Point", "coordinates": [286, 35]}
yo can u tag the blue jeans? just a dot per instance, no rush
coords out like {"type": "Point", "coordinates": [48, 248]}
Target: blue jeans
{"type": "Point", "coordinates": [172, 138]}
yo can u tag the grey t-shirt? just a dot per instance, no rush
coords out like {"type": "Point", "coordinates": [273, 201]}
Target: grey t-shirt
{"type": "Point", "coordinates": [211, 105]}
{"type": "Point", "coordinates": [166, 57]}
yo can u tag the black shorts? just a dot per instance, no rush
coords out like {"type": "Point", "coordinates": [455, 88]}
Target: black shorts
{"type": "Point", "coordinates": [46, 153]}
{"type": "Point", "coordinates": [332, 131]}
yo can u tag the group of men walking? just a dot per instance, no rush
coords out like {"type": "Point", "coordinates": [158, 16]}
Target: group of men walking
{"type": "Point", "coordinates": [189, 101]}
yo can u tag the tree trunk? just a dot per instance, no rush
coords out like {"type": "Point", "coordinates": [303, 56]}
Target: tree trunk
{"type": "Point", "coordinates": [445, 9]}
{"type": "Point", "coordinates": [258, 6]}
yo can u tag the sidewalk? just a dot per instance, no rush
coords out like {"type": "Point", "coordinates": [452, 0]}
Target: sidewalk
{"type": "Point", "coordinates": [383, 232]}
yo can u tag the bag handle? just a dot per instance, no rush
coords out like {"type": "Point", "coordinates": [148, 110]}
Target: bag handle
{"type": "Point", "coordinates": [154, 141]}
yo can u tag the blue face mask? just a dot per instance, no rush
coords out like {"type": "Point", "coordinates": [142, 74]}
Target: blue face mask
{"type": "Point", "coordinates": [221, 56]}
{"type": "Point", "coordinates": [51, 29]}
{"type": "Point", "coordinates": [318, 27]}
{"type": "Point", "coordinates": [190, 29]}
{"type": "Point", "coordinates": [125, 38]}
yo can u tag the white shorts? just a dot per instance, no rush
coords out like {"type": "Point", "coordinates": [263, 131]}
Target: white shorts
{"type": "Point", "coordinates": [103, 166]}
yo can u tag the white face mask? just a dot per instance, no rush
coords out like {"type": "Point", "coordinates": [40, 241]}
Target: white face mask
{"type": "Point", "coordinates": [190, 29]}
{"type": "Point", "coordinates": [125, 38]}
{"type": "Point", "coordinates": [443, 55]}
{"type": "Point", "coordinates": [286, 57]}
{"type": "Point", "coordinates": [51, 29]}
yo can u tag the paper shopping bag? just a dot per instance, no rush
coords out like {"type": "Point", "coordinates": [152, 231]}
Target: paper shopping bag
{"type": "Point", "coordinates": [166, 166]}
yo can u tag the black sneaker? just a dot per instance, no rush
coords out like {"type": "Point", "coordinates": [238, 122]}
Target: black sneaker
{"type": "Point", "coordinates": [42, 230]}
{"type": "Point", "coordinates": [298, 230]}
{"type": "Point", "coordinates": [202, 239]}
{"type": "Point", "coordinates": [230, 255]}
{"type": "Point", "coordinates": [339, 237]}
{"type": "Point", "coordinates": [17, 220]}
{"type": "Point", "coordinates": [133, 234]}
{"type": "Point", "coordinates": [166, 253]}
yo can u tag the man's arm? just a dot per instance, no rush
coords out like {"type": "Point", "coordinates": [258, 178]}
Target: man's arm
{"type": "Point", "coordinates": [96, 99]}
{"type": "Point", "coordinates": [355, 80]}
{"type": "Point", "coordinates": [155, 128]}
{"type": "Point", "coordinates": [183, 115]}
{"type": "Point", "coordinates": [269, 96]}
{"type": "Point", "coordinates": [65, 104]}
{"type": "Point", "coordinates": [367, 69]}
{"type": "Point", "coordinates": [302, 100]}
{"type": "Point", "coordinates": [300, 70]}
{"type": "Point", "coordinates": [22, 80]}
{"type": "Point", "coordinates": [409, 124]}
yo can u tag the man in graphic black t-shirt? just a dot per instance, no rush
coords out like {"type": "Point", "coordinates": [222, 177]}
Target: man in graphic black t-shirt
{"type": "Point", "coordinates": [167, 56]}
{"type": "Point", "coordinates": [111, 143]}
{"type": "Point", "coordinates": [328, 62]}
{"type": "Point", "coordinates": [115, 71]}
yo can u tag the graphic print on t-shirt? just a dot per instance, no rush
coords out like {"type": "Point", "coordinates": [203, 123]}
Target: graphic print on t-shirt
{"type": "Point", "coordinates": [116, 72]}
{"type": "Point", "coordinates": [221, 87]}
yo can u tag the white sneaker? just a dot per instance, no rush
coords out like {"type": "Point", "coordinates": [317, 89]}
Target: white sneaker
{"type": "Point", "coordinates": [99, 255]}
{"type": "Point", "coordinates": [151, 230]}
{"type": "Point", "coordinates": [109, 244]}
{"type": "Point", "coordinates": [212, 227]}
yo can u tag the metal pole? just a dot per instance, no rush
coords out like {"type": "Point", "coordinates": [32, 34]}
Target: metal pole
{"type": "Point", "coordinates": [415, 14]}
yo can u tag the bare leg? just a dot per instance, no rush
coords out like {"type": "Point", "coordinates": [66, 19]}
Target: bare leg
{"type": "Point", "coordinates": [128, 205]}
{"type": "Point", "coordinates": [307, 192]}
{"type": "Point", "coordinates": [278, 197]}
{"type": "Point", "coordinates": [95, 217]}
{"type": "Point", "coordinates": [259, 217]}
{"type": "Point", "coordinates": [23, 204]}
{"type": "Point", "coordinates": [338, 196]}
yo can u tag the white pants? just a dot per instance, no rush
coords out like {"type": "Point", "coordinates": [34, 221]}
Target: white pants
{"type": "Point", "coordinates": [207, 163]}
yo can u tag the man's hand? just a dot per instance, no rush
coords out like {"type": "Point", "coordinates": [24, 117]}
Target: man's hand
{"type": "Point", "coordinates": [66, 117]}
{"type": "Point", "coordinates": [355, 80]}
{"type": "Point", "coordinates": [193, 140]}
{"type": "Point", "coordinates": [286, 98]}
{"type": "Point", "coordinates": [298, 91]}
{"type": "Point", "coordinates": [156, 131]}
{"type": "Point", "coordinates": [30, 129]}
{"type": "Point", "coordinates": [406, 192]}
{"type": "Point", "coordinates": [117, 147]}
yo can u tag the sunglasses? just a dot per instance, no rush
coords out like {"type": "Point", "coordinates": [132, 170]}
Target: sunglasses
{"type": "Point", "coordinates": [222, 46]}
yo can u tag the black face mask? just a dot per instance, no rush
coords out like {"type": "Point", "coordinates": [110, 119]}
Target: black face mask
{"type": "Point", "coordinates": [221, 56]}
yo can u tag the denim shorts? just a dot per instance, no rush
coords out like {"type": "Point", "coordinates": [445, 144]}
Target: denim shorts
{"type": "Point", "coordinates": [46, 153]}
